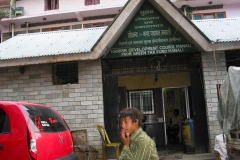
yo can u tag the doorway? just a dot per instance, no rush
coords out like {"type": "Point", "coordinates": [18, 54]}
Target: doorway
{"type": "Point", "coordinates": [175, 99]}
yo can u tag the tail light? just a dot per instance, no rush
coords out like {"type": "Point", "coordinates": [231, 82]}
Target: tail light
{"type": "Point", "coordinates": [32, 143]}
{"type": "Point", "coordinates": [33, 149]}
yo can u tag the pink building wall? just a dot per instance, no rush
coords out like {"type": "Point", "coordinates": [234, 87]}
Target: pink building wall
{"type": "Point", "coordinates": [36, 7]}
{"type": "Point", "coordinates": [233, 12]}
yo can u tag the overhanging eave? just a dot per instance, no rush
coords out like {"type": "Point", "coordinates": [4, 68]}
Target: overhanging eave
{"type": "Point", "coordinates": [47, 59]}
{"type": "Point", "coordinates": [227, 45]}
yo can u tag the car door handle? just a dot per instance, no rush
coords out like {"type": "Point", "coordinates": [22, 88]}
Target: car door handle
{"type": "Point", "coordinates": [1, 147]}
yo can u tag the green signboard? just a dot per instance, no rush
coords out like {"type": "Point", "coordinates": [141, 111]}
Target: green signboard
{"type": "Point", "coordinates": [149, 33]}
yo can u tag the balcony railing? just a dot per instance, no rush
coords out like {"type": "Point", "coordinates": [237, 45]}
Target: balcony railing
{"type": "Point", "coordinates": [6, 12]}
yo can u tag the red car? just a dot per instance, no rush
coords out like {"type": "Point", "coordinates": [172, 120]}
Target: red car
{"type": "Point", "coordinates": [33, 132]}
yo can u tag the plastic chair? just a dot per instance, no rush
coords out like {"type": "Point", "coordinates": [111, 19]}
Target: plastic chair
{"type": "Point", "coordinates": [107, 143]}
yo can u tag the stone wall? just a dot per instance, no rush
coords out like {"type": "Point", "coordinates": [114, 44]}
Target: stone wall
{"type": "Point", "coordinates": [210, 90]}
{"type": "Point", "coordinates": [80, 104]}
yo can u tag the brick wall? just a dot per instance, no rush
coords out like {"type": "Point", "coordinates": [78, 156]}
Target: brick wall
{"type": "Point", "coordinates": [80, 104]}
{"type": "Point", "coordinates": [210, 90]}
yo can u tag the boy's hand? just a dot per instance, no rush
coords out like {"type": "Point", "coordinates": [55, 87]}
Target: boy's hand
{"type": "Point", "coordinates": [125, 137]}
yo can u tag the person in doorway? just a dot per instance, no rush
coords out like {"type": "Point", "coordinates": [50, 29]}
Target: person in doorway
{"type": "Point", "coordinates": [137, 145]}
{"type": "Point", "coordinates": [173, 129]}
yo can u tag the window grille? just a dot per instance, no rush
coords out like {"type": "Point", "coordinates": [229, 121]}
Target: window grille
{"type": "Point", "coordinates": [142, 100]}
{"type": "Point", "coordinates": [64, 73]}
{"type": "Point", "coordinates": [200, 16]}
{"type": "Point", "coordinates": [100, 24]}
{"type": "Point", "coordinates": [148, 64]}
{"type": "Point", "coordinates": [55, 28]}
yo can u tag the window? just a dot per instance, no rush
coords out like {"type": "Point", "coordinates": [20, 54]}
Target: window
{"type": "Point", "coordinates": [142, 100]}
{"type": "Point", "coordinates": [4, 122]}
{"type": "Point", "coordinates": [64, 73]}
{"type": "Point", "coordinates": [51, 4]}
{"type": "Point", "coordinates": [55, 29]}
{"type": "Point", "coordinates": [45, 119]}
{"type": "Point", "coordinates": [209, 16]}
{"type": "Point", "coordinates": [92, 25]}
{"type": "Point", "coordinates": [92, 2]}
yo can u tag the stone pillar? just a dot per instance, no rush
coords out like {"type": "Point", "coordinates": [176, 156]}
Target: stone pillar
{"type": "Point", "coordinates": [210, 90]}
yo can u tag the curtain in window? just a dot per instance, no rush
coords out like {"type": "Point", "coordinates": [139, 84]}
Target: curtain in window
{"type": "Point", "coordinates": [51, 4]}
{"type": "Point", "coordinates": [88, 2]}
{"type": "Point", "coordinates": [96, 1]}
{"type": "Point", "coordinates": [54, 4]}
{"type": "Point", "coordinates": [47, 4]}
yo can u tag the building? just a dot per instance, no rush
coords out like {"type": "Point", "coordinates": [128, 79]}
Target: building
{"type": "Point", "coordinates": [207, 9]}
{"type": "Point", "coordinates": [84, 80]}
{"type": "Point", "coordinates": [22, 16]}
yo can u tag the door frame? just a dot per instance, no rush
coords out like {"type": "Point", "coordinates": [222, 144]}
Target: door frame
{"type": "Point", "coordinates": [164, 107]}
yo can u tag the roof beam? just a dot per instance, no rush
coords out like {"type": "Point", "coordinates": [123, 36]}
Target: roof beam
{"type": "Point", "coordinates": [227, 45]}
{"type": "Point", "coordinates": [46, 59]}
{"type": "Point", "coordinates": [79, 16]}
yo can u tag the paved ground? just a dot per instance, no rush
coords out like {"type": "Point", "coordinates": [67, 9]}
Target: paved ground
{"type": "Point", "coordinates": [206, 156]}
{"type": "Point", "coordinates": [176, 152]}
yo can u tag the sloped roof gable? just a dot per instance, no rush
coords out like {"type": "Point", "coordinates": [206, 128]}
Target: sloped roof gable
{"type": "Point", "coordinates": [149, 33]}
{"type": "Point", "coordinates": [94, 43]}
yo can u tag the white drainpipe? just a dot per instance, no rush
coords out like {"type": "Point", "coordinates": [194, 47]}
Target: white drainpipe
{"type": "Point", "coordinates": [12, 29]}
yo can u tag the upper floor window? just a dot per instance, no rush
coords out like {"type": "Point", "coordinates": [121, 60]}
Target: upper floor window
{"type": "Point", "coordinates": [56, 29]}
{"type": "Point", "coordinates": [51, 4]}
{"type": "Point", "coordinates": [92, 2]}
{"type": "Point", "coordinates": [209, 16]}
{"type": "Point", "coordinates": [92, 25]}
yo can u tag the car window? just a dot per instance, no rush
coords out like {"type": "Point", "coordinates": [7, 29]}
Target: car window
{"type": "Point", "coordinates": [45, 119]}
{"type": "Point", "coordinates": [4, 122]}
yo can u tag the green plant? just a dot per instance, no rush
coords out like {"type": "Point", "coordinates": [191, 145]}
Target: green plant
{"type": "Point", "coordinates": [3, 14]}
{"type": "Point", "coordinates": [187, 10]}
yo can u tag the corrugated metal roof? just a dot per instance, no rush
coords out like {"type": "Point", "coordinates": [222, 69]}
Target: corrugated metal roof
{"type": "Point", "coordinates": [50, 43]}
{"type": "Point", "coordinates": [220, 30]}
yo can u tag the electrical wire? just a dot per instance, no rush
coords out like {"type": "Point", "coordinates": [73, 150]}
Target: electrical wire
{"type": "Point", "coordinates": [179, 24]}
